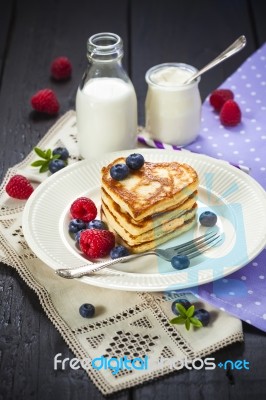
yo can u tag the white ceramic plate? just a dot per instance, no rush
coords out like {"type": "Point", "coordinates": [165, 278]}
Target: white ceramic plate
{"type": "Point", "coordinates": [235, 197]}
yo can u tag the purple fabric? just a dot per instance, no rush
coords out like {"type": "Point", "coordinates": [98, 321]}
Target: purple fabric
{"type": "Point", "coordinates": [243, 293]}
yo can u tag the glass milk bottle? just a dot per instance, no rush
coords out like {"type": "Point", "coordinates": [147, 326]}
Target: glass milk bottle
{"type": "Point", "coordinates": [172, 108]}
{"type": "Point", "coordinates": [106, 104]}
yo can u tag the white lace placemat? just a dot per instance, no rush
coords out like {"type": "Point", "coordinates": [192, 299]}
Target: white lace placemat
{"type": "Point", "coordinates": [126, 323]}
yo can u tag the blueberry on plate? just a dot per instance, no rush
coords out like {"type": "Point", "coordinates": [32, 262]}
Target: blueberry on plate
{"type": "Point", "coordinates": [76, 225]}
{"type": "Point", "coordinates": [119, 171]}
{"type": "Point", "coordinates": [135, 161]}
{"type": "Point", "coordinates": [96, 224]}
{"type": "Point", "coordinates": [203, 316]}
{"type": "Point", "coordinates": [208, 218]}
{"type": "Point", "coordinates": [180, 262]}
{"type": "Point", "coordinates": [119, 251]}
{"type": "Point", "coordinates": [185, 303]}
{"type": "Point", "coordinates": [77, 237]}
{"type": "Point", "coordinates": [87, 310]}
{"type": "Point", "coordinates": [62, 152]}
{"type": "Point", "coordinates": [56, 165]}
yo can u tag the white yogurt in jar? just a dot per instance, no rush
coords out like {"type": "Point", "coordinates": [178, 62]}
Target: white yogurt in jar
{"type": "Point", "coordinates": [106, 116]}
{"type": "Point", "coordinates": [172, 108]}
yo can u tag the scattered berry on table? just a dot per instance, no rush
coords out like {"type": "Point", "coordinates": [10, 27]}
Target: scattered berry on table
{"type": "Point", "coordinates": [96, 243]}
{"type": "Point", "coordinates": [83, 208]}
{"type": "Point", "coordinates": [219, 97]}
{"type": "Point", "coordinates": [203, 316]}
{"type": "Point", "coordinates": [208, 218]}
{"type": "Point", "coordinates": [135, 161]}
{"type": "Point", "coordinates": [230, 114]}
{"type": "Point", "coordinates": [61, 68]}
{"type": "Point", "coordinates": [87, 310]}
{"type": "Point", "coordinates": [19, 187]}
{"type": "Point", "coordinates": [56, 165]}
{"type": "Point", "coordinates": [45, 101]}
{"type": "Point", "coordinates": [185, 303]}
{"type": "Point", "coordinates": [62, 152]}
{"type": "Point", "coordinates": [119, 251]}
{"type": "Point", "coordinates": [180, 262]}
{"type": "Point", "coordinates": [96, 224]}
{"type": "Point", "coordinates": [76, 225]}
{"type": "Point", "coordinates": [119, 171]}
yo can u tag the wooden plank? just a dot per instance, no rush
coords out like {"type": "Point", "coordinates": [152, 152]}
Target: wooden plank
{"type": "Point", "coordinates": [190, 32]}
{"type": "Point", "coordinates": [258, 15]}
{"type": "Point", "coordinates": [6, 20]}
{"type": "Point", "coordinates": [42, 30]}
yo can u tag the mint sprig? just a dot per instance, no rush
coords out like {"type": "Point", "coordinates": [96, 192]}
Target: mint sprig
{"type": "Point", "coordinates": [46, 157]}
{"type": "Point", "coordinates": [186, 317]}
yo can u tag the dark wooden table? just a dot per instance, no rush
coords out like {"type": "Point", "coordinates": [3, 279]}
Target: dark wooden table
{"type": "Point", "coordinates": [32, 33]}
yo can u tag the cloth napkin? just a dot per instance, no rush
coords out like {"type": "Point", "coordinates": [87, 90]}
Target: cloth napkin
{"type": "Point", "coordinates": [126, 323]}
{"type": "Point", "coordinates": [242, 293]}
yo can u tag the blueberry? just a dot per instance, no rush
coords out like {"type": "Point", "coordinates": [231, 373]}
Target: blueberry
{"type": "Point", "coordinates": [119, 172]}
{"type": "Point", "coordinates": [180, 262]}
{"type": "Point", "coordinates": [77, 236]}
{"type": "Point", "coordinates": [87, 310]}
{"type": "Point", "coordinates": [76, 225]}
{"type": "Point", "coordinates": [135, 161]}
{"type": "Point", "coordinates": [96, 224]}
{"type": "Point", "coordinates": [62, 152]}
{"type": "Point", "coordinates": [119, 251]}
{"type": "Point", "coordinates": [208, 218]}
{"type": "Point", "coordinates": [185, 303]}
{"type": "Point", "coordinates": [203, 316]}
{"type": "Point", "coordinates": [56, 165]}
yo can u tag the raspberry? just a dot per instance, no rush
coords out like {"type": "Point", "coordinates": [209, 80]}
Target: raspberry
{"type": "Point", "coordinates": [83, 208]}
{"type": "Point", "coordinates": [61, 68]}
{"type": "Point", "coordinates": [230, 114]}
{"type": "Point", "coordinates": [19, 187]}
{"type": "Point", "coordinates": [96, 243]}
{"type": "Point", "coordinates": [219, 97]}
{"type": "Point", "coordinates": [45, 101]}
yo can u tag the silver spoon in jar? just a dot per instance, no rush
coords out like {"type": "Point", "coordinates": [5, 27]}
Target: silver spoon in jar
{"type": "Point", "coordinates": [231, 50]}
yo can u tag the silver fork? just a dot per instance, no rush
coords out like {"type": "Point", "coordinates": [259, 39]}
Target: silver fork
{"type": "Point", "coordinates": [192, 249]}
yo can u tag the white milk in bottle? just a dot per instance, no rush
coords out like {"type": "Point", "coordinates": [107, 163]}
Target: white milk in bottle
{"type": "Point", "coordinates": [106, 104]}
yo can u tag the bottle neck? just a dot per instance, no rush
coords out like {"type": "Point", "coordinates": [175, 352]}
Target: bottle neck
{"type": "Point", "coordinates": [105, 48]}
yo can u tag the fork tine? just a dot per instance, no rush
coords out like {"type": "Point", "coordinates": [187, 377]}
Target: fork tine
{"type": "Point", "coordinates": [194, 242]}
{"type": "Point", "coordinates": [200, 244]}
{"type": "Point", "coordinates": [204, 248]}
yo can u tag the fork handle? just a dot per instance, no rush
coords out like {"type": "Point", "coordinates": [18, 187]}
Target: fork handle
{"type": "Point", "coordinates": [78, 272]}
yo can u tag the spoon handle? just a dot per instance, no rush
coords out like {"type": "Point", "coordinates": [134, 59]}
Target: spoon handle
{"type": "Point", "coordinates": [232, 49]}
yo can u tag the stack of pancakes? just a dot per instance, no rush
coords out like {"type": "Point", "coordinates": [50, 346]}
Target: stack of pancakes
{"type": "Point", "coordinates": [152, 205]}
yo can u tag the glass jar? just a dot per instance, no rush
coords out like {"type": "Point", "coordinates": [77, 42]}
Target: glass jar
{"type": "Point", "coordinates": [172, 108]}
{"type": "Point", "coordinates": [106, 104]}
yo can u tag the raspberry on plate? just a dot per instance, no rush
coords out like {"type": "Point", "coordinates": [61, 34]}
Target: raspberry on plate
{"type": "Point", "coordinates": [230, 114]}
{"type": "Point", "coordinates": [61, 68]}
{"type": "Point", "coordinates": [83, 208]}
{"type": "Point", "coordinates": [45, 101]}
{"type": "Point", "coordinates": [96, 243]}
{"type": "Point", "coordinates": [19, 187]}
{"type": "Point", "coordinates": [219, 97]}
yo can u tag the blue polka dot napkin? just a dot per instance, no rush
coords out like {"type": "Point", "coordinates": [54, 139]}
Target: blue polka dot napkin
{"type": "Point", "coordinates": [243, 293]}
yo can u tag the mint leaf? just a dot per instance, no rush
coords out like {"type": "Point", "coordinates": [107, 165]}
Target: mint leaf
{"type": "Point", "coordinates": [196, 322]}
{"type": "Point", "coordinates": [40, 152]}
{"type": "Point", "coordinates": [178, 320]}
{"type": "Point", "coordinates": [181, 310]}
{"type": "Point", "coordinates": [44, 167]}
{"type": "Point", "coordinates": [37, 163]}
{"type": "Point", "coordinates": [55, 157]}
{"type": "Point", "coordinates": [190, 311]}
{"type": "Point", "coordinates": [187, 324]}
{"type": "Point", "coordinates": [48, 154]}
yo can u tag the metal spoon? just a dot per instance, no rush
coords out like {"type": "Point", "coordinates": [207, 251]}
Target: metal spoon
{"type": "Point", "coordinates": [231, 50]}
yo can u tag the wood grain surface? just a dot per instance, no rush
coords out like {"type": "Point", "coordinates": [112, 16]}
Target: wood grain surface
{"type": "Point", "coordinates": [32, 33]}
